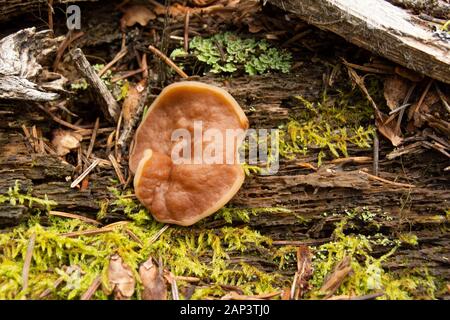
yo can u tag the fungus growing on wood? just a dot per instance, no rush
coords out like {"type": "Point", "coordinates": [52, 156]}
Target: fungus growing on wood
{"type": "Point", "coordinates": [185, 155]}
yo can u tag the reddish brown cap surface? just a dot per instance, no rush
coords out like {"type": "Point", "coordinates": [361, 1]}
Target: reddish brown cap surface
{"type": "Point", "coordinates": [185, 193]}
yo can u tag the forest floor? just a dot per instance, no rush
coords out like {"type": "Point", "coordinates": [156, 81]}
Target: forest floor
{"type": "Point", "coordinates": [358, 209]}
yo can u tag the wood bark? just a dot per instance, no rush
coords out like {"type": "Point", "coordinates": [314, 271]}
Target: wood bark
{"type": "Point", "coordinates": [309, 194]}
{"type": "Point", "coordinates": [435, 8]}
{"type": "Point", "coordinates": [381, 27]}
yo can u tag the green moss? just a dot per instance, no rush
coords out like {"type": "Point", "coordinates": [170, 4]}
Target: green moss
{"type": "Point", "coordinates": [184, 251]}
{"type": "Point", "coordinates": [234, 214]}
{"type": "Point", "coordinates": [218, 256]}
{"type": "Point", "coordinates": [408, 238]}
{"type": "Point", "coordinates": [15, 197]}
{"type": "Point", "coordinates": [329, 126]}
{"type": "Point", "coordinates": [228, 53]}
{"type": "Point", "coordinates": [368, 274]}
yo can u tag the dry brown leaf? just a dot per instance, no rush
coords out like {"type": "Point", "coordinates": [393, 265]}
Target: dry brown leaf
{"type": "Point", "coordinates": [64, 141]}
{"type": "Point", "coordinates": [304, 270]}
{"type": "Point", "coordinates": [178, 10]}
{"type": "Point", "coordinates": [255, 25]}
{"type": "Point", "coordinates": [136, 14]}
{"type": "Point", "coordinates": [121, 278]}
{"type": "Point", "coordinates": [388, 130]}
{"type": "Point", "coordinates": [155, 287]}
{"type": "Point", "coordinates": [395, 90]}
{"type": "Point", "coordinates": [334, 280]}
{"type": "Point", "coordinates": [130, 104]}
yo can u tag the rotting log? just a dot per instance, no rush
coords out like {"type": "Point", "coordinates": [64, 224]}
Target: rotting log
{"type": "Point", "coordinates": [435, 8]}
{"type": "Point", "coordinates": [309, 194]}
{"type": "Point", "coordinates": [381, 27]}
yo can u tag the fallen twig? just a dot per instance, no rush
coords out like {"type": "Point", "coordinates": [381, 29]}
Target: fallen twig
{"type": "Point", "coordinates": [74, 216]}
{"type": "Point", "coordinates": [92, 288]}
{"type": "Point", "coordinates": [167, 61]}
{"type": "Point", "coordinates": [398, 184]}
{"type": "Point", "coordinates": [58, 120]}
{"type": "Point", "coordinates": [158, 234]}
{"type": "Point", "coordinates": [93, 137]}
{"type": "Point", "coordinates": [105, 99]}
{"type": "Point", "coordinates": [85, 173]}
{"type": "Point", "coordinates": [27, 262]}
{"type": "Point", "coordinates": [412, 111]}
{"type": "Point", "coordinates": [442, 97]}
{"type": "Point", "coordinates": [122, 53]}
{"type": "Point", "coordinates": [70, 37]}
{"type": "Point", "coordinates": [376, 154]}
{"type": "Point", "coordinates": [117, 168]}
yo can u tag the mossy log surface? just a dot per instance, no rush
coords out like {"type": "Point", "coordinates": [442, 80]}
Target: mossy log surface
{"type": "Point", "coordinates": [309, 194]}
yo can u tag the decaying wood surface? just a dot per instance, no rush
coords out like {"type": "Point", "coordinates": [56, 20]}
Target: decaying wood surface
{"type": "Point", "coordinates": [101, 94]}
{"type": "Point", "coordinates": [436, 8]}
{"type": "Point", "coordinates": [381, 27]}
{"type": "Point", "coordinates": [333, 188]}
{"type": "Point", "coordinates": [20, 68]}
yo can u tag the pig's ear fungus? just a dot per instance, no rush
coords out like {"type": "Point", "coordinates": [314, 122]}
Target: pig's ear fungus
{"type": "Point", "coordinates": [184, 193]}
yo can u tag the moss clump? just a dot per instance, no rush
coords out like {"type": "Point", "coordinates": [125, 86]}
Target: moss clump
{"type": "Point", "coordinates": [228, 53]}
{"type": "Point", "coordinates": [330, 126]}
{"type": "Point", "coordinates": [220, 257]}
{"type": "Point", "coordinates": [204, 253]}
{"type": "Point", "coordinates": [15, 197]}
{"type": "Point", "coordinates": [368, 274]}
{"type": "Point", "coordinates": [243, 215]}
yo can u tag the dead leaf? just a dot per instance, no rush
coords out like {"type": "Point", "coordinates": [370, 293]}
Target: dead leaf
{"type": "Point", "coordinates": [388, 130]}
{"type": "Point", "coordinates": [334, 280]}
{"type": "Point", "coordinates": [136, 14]}
{"type": "Point", "coordinates": [395, 90]}
{"type": "Point", "coordinates": [255, 25]}
{"type": "Point", "coordinates": [304, 271]}
{"type": "Point", "coordinates": [64, 141]}
{"type": "Point", "coordinates": [120, 278]}
{"type": "Point", "coordinates": [152, 278]}
{"type": "Point", "coordinates": [130, 104]}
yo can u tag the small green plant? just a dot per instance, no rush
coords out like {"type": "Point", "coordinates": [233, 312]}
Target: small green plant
{"type": "Point", "coordinates": [228, 53]}
{"type": "Point", "coordinates": [15, 197]}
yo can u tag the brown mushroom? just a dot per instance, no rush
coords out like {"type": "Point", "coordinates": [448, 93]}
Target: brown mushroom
{"type": "Point", "coordinates": [183, 192]}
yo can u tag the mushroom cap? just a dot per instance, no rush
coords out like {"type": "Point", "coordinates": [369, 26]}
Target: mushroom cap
{"type": "Point", "coordinates": [184, 193]}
